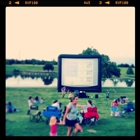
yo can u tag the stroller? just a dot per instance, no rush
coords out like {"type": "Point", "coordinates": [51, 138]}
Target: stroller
{"type": "Point", "coordinates": [91, 116]}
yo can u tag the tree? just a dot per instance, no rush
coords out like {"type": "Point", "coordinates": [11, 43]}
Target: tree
{"type": "Point", "coordinates": [11, 61]}
{"type": "Point", "coordinates": [52, 68]}
{"type": "Point", "coordinates": [129, 70]}
{"type": "Point", "coordinates": [126, 65]}
{"type": "Point", "coordinates": [129, 83]}
{"type": "Point", "coordinates": [123, 65]}
{"type": "Point", "coordinates": [48, 67]}
{"type": "Point", "coordinates": [22, 62]}
{"type": "Point", "coordinates": [47, 80]}
{"type": "Point", "coordinates": [7, 62]}
{"type": "Point", "coordinates": [132, 65]}
{"type": "Point", "coordinates": [53, 62]}
{"type": "Point", "coordinates": [109, 68]}
{"type": "Point", "coordinates": [27, 61]}
{"type": "Point", "coordinates": [33, 61]}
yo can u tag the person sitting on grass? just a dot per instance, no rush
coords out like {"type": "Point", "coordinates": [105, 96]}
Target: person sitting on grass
{"type": "Point", "coordinates": [129, 107]}
{"type": "Point", "coordinates": [41, 100]}
{"type": "Point", "coordinates": [10, 108]}
{"type": "Point", "coordinates": [57, 104]}
{"type": "Point", "coordinates": [36, 100]}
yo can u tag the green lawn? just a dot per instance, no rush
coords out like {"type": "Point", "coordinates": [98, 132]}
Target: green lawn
{"type": "Point", "coordinates": [27, 68]}
{"type": "Point", "coordinates": [107, 125]}
{"type": "Point", "coordinates": [124, 75]}
{"type": "Point", "coordinates": [10, 68]}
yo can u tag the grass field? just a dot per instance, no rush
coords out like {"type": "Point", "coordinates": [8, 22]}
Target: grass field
{"type": "Point", "coordinates": [10, 68]}
{"type": "Point", "coordinates": [107, 125]}
{"type": "Point", "coordinates": [27, 68]}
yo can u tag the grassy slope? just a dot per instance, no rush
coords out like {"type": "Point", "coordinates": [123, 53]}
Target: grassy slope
{"type": "Point", "coordinates": [107, 126]}
{"type": "Point", "coordinates": [27, 67]}
{"type": "Point", "coordinates": [123, 73]}
{"type": "Point", "coordinates": [40, 68]}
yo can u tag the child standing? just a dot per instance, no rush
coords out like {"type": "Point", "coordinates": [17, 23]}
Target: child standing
{"type": "Point", "coordinates": [63, 89]}
{"type": "Point", "coordinates": [70, 95]}
{"type": "Point", "coordinates": [107, 94]}
{"type": "Point", "coordinates": [114, 107]}
{"type": "Point", "coordinates": [53, 126]}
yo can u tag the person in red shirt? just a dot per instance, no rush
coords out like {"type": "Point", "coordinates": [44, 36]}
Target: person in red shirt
{"type": "Point", "coordinates": [53, 126]}
{"type": "Point", "coordinates": [114, 107]}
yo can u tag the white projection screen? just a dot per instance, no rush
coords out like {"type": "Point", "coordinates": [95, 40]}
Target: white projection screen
{"type": "Point", "coordinates": [79, 72]}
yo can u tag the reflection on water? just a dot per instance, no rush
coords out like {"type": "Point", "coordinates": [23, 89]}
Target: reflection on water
{"type": "Point", "coordinates": [47, 81]}
{"type": "Point", "coordinates": [30, 82]}
{"type": "Point", "coordinates": [118, 83]}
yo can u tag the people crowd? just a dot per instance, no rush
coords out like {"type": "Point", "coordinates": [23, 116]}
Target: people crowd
{"type": "Point", "coordinates": [72, 112]}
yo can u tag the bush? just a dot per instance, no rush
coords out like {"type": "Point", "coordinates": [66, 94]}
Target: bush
{"type": "Point", "coordinates": [129, 70]}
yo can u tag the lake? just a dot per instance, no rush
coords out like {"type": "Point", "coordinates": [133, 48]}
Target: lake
{"type": "Point", "coordinates": [33, 81]}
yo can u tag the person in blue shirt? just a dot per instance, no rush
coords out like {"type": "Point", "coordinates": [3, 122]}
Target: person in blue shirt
{"type": "Point", "coordinates": [10, 108]}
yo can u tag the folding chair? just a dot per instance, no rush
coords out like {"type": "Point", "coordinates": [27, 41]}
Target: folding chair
{"type": "Point", "coordinates": [128, 109]}
{"type": "Point", "coordinates": [51, 111]}
{"type": "Point", "coordinates": [89, 121]}
{"type": "Point", "coordinates": [128, 112]}
{"type": "Point", "coordinates": [91, 116]}
{"type": "Point", "coordinates": [35, 114]}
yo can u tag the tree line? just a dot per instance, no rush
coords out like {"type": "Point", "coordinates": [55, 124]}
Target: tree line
{"type": "Point", "coordinates": [29, 61]}
{"type": "Point", "coordinates": [109, 69]}
{"type": "Point", "coordinates": [53, 62]}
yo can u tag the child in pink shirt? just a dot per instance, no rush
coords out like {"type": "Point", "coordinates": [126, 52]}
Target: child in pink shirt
{"type": "Point", "coordinates": [53, 126]}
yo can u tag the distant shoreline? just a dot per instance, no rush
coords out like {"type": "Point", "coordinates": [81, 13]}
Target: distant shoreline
{"type": "Point", "coordinates": [38, 71]}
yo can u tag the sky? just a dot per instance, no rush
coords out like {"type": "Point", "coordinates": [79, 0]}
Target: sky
{"type": "Point", "coordinates": [43, 33]}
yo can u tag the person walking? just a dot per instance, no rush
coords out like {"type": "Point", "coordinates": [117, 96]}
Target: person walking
{"type": "Point", "coordinates": [70, 117]}
{"type": "Point", "coordinates": [63, 91]}
{"type": "Point", "coordinates": [53, 126]}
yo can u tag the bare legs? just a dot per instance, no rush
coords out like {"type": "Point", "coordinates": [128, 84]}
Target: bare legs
{"type": "Point", "coordinates": [77, 129]}
{"type": "Point", "coordinates": [63, 94]}
{"type": "Point", "coordinates": [69, 131]}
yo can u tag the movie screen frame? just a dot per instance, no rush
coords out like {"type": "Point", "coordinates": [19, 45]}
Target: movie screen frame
{"type": "Point", "coordinates": [97, 88]}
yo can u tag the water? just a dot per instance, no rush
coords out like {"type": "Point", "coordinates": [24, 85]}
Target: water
{"type": "Point", "coordinates": [18, 81]}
